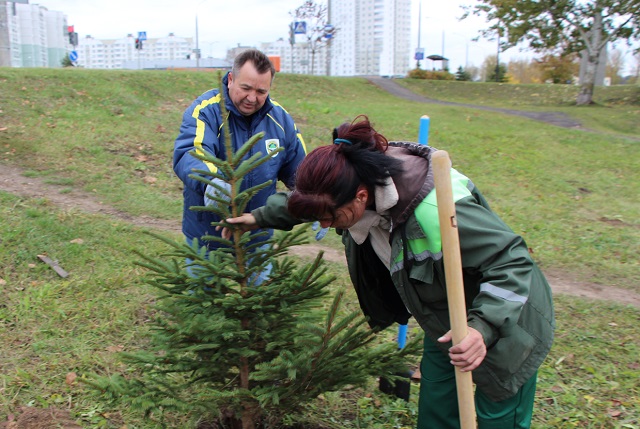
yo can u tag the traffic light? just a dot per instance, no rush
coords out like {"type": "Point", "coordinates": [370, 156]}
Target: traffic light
{"type": "Point", "coordinates": [138, 44]}
{"type": "Point", "coordinates": [73, 38]}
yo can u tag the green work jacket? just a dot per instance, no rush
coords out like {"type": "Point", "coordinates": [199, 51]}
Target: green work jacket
{"type": "Point", "coordinates": [508, 298]}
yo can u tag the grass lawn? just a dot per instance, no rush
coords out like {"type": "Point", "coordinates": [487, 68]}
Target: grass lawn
{"type": "Point", "coordinates": [571, 194]}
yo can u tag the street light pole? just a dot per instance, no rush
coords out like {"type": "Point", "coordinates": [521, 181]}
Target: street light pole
{"type": "Point", "coordinates": [466, 56]}
{"type": "Point", "coordinates": [197, 45]}
{"type": "Point", "coordinates": [498, 60]}
{"type": "Point", "coordinates": [197, 41]}
{"type": "Point", "coordinates": [419, 28]}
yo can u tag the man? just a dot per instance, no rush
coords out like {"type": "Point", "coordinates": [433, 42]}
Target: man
{"type": "Point", "coordinates": [245, 92]}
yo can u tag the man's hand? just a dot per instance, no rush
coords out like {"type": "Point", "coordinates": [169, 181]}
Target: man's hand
{"type": "Point", "coordinates": [469, 353]}
{"type": "Point", "coordinates": [245, 223]}
{"type": "Point", "coordinates": [321, 231]}
{"type": "Point", "coordinates": [212, 191]}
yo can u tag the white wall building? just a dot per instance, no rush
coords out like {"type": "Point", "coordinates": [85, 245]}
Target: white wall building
{"type": "Point", "coordinates": [115, 53]}
{"type": "Point", "coordinates": [372, 37]}
{"type": "Point", "coordinates": [299, 59]}
{"type": "Point", "coordinates": [35, 36]}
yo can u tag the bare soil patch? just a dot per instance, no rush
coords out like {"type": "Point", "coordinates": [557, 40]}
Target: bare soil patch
{"type": "Point", "coordinates": [13, 181]}
{"type": "Point", "coordinates": [39, 418]}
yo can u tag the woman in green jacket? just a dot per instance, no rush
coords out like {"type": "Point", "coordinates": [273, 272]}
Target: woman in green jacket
{"type": "Point", "coordinates": [380, 196]}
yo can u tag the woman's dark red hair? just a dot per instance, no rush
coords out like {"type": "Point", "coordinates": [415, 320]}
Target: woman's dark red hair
{"type": "Point", "coordinates": [329, 176]}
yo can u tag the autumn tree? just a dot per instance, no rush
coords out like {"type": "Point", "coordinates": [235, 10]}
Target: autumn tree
{"type": "Point", "coordinates": [578, 26]}
{"type": "Point", "coordinates": [473, 71]}
{"type": "Point", "coordinates": [558, 68]}
{"type": "Point", "coordinates": [523, 71]}
{"type": "Point", "coordinates": [493, 72]}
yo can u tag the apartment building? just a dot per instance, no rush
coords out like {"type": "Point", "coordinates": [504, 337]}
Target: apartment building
{"type": "Point", "coordinates": [122, 53]}
{"type": "Point", "coordinates": [300, 58]}
{"type": "Point", "coordinates": [32, 35]}
{"type": "Point", "coordinates": [372, 37]}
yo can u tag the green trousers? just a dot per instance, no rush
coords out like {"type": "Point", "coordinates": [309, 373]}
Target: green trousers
{"type": "Point", "coordinates": [438, 402]}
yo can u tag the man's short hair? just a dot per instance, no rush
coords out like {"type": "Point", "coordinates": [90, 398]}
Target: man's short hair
{"type": "Point", "coordinates": [261, 62]}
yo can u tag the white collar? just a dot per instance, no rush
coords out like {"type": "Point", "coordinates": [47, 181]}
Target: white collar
{"type": "Point", "coordinates": [385, 198]}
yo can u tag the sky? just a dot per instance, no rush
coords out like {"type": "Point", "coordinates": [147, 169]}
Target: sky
{"type": "Point", "coordinates": [226, 24]}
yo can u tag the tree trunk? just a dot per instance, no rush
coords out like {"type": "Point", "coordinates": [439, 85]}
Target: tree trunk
{"type": "Point", "coordinates": [585, 96]}
{"type": "Point", "coordinates": [594, 46]}
{"type": "Point", "coordinates": [250, 412]}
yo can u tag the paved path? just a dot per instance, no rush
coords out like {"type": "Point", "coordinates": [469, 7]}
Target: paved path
{"type": "Point", "coordinates": [554, 118]}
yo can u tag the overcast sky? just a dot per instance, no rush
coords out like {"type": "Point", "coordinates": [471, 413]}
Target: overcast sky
{"type": "Point", "coordinates": [225, 24]}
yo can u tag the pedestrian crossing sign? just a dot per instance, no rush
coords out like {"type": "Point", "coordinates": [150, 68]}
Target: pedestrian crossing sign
{"type": "Point", "coordinates": [300, 27]}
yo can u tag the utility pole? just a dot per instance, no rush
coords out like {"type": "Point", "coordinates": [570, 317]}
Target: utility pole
{"type": "Point", "coordinates": [419, 27]}
{"type": "Point", "coordinates": [292, 42]}
{"type": "Point", "coordinates": [197, 45]}
{"type": "Point", "coordinates": [197, 37]}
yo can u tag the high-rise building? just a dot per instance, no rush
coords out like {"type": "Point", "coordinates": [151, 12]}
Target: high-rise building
{"type": "Point", "coordinates": [372, 37]}
{"type": "Point", "coordinates": [32, 36]}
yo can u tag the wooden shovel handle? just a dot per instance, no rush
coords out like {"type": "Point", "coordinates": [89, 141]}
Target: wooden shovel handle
{"type": "Point", "coordinates": [441, 165]}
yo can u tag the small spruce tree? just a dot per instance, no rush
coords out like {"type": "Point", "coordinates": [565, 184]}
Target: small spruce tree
{"type": "Point", "coordinates": [462, 74]}
{"type": "Point", "coordinates": [66, 61]}
{"type": "Point", "coordinates": [498, 74]}
{"type": "Point", "coordinates": [248, 354]}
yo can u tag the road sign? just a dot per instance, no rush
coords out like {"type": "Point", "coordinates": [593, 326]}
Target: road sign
{"type": "Point", "coordinates": [328, 31]}
{"type": "Point", "coordinates": [73, 56]}
{"type": "Point", "coordinates": [419, 54]}
{"type": "Point", "coordinates": [300, 27]}
{"type": "Point", "coordinates": [142, 35]}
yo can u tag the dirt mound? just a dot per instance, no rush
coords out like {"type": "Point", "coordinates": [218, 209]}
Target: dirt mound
{"type": "Point", "coordinates": [38, 418]}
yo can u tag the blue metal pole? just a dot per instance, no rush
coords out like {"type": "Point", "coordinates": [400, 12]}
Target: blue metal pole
{"type": "Point", "coordinates": [423, 132]}
{"type": "Point", "coordinates": [423, 138]}
{"type": "Point", "coordinates": [402, 336]}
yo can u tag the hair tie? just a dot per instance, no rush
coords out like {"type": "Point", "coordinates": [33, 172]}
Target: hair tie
{"type": "Point", "coordinates": [338, 141]}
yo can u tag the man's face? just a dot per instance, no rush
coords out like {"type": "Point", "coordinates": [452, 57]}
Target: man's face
{"type": "Point", "coordinates": [249, 89]}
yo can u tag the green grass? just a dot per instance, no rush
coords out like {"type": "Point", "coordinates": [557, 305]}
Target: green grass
{"type": "Point", "coordinates": [616, 108]}
{"type": "Point", "coordinates": [571, 194]}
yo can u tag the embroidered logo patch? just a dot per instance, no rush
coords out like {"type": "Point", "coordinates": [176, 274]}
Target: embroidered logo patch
{"type": "Point", "coordinates": [271, 145]}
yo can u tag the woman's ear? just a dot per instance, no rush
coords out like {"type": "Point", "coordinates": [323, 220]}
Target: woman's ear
{"type": "Point", "coordinates": [362, 195]}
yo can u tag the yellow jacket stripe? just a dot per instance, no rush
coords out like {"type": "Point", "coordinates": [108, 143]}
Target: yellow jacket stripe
{"type": "Point", "coordinates": [200, 128]}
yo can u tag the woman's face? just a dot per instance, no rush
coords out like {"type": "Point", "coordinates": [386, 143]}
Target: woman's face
{"type": "Point", "coordinates": [348, 214]}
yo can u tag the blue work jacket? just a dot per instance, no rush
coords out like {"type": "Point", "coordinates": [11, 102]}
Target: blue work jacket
{"type": "Point", "coordinates": [201, 131]}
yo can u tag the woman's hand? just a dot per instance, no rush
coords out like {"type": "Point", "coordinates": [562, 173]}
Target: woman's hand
{"type": "Point", "coordinates": [245, 223]}
{"type": "Point", "coordinates": [469, 353]}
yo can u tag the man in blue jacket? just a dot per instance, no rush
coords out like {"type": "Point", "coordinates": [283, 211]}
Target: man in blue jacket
{"type": "Point", "coordinates": [245, 92]}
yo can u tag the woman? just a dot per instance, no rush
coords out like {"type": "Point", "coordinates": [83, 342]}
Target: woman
{"type": "Point", "coordinates": [380, 196]}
